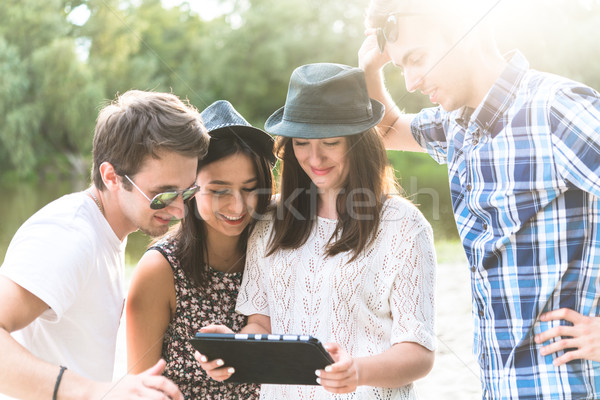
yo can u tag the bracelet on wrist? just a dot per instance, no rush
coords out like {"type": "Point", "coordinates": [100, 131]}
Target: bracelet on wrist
{"type": "Point", "coordinates": [392, 124]}
{"type": "Point", "coordinates": [58, 379]}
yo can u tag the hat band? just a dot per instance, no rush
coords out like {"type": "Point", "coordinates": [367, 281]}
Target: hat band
{"type": "Point", "coordinates": [326, 115]}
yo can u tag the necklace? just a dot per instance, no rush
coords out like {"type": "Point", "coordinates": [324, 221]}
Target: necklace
{"type": "Point", "coordinates": [89, 191]}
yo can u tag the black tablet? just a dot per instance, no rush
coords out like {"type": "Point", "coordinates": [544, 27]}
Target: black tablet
{"type": "Point", "coordinates": [279, 359]}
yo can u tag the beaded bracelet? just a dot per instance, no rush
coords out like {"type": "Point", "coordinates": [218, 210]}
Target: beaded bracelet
{"type": "Point", "coordinates": [58, 379]}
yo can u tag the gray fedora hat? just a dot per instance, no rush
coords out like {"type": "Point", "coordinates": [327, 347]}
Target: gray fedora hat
{"type": "Point", "coordinates": [325, 100]}
{"type": "Point", "coordinates": [221, 119]}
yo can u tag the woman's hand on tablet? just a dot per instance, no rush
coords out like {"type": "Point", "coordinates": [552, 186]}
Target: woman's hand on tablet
{"type": "Point", "coordinates": [212, 328]}
{"type": "Point", "coordinates": [342, 375]}
{"type": "Point", "coordinates": [214, 368]}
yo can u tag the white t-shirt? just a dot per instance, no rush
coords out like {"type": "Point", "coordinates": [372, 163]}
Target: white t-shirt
{"type": "Point", "coordinates": [68, 256]}
{"type": "Point", "coordinates": [382, 298]}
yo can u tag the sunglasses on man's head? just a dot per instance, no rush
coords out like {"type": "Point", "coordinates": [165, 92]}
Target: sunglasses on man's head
{"type": "Point", "coordinates": [388, 33]}
{"type": "Point", "coordinates": [162, 200]}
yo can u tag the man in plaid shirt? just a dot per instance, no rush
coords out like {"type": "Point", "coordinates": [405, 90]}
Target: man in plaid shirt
{"type": "Point", "coordinates": [523, 154]}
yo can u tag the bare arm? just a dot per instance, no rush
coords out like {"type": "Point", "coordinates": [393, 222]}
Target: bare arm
{"type": "Point", "coordinates": [402, 364]}
{"type": "Point", "coordinates": [395, 125]}
{"type": "Point", "coordinates": [150, 304]}
{"type": "Point", "coordinates": [258, 323]}
{"type": "Point", "coordinates": [18, 308]}
{"type": "Point", "coordinates": [19, 368]}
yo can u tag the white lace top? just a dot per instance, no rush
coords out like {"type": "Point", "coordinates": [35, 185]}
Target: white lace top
{"type": "Point", "coordinates": [383, 297]}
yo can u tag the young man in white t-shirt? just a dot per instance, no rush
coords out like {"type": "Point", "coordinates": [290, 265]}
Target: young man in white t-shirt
{"type": "Point", "coordinates": [62, 281]}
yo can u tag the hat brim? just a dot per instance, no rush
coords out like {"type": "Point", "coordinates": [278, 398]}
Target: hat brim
{"type": "Point", "coordinates": [257, 139]}
{"type": "Point", "coordinates": [278, 126]}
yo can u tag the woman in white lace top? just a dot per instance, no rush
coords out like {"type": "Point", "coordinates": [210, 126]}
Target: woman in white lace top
{"type": "Point", "coordinates": [340, 258]}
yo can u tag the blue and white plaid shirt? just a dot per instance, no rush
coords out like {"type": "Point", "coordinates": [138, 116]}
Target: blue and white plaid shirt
{"type": "Point", "coordinates": [524, 170]}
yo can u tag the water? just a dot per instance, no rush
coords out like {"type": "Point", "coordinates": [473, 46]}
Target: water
{"type": "Point", "coordinates": [21, 201]}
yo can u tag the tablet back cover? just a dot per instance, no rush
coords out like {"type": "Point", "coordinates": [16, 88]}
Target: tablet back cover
{"type": "Point", "coordinates": [282, 361]}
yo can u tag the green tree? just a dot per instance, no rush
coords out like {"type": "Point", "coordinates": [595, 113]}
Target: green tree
{"type": "Point", "coordinates": [17, 119]}
{"type": "Point", "coordinates": [68, 98]}
{"type": "Point", "coordinates": [255, 48]}
{"type": "Point", "coordinates": [48, 95]}
{"type": "Point", "coordinates": [112, 33]}
{"type": "Point", "coordinates": [54, 75]}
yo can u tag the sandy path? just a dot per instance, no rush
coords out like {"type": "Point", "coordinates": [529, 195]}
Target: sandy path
{"type": "Point", "coordinates": [455, 374]}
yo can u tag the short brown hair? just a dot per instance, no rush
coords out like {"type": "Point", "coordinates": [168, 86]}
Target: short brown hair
{"type": "Point", "coordinates": [138, 124]}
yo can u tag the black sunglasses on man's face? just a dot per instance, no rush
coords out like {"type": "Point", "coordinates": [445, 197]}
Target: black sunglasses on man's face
{"type": "Point", "coordinates": [388, 33]}
{"type": "Point", "coordinates": [162, 200]}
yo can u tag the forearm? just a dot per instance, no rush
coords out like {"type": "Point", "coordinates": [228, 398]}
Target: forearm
{"type": "Point", "coordinates": [255, 329]}
{"type": "Point", "coordinates": [257, 323]}
{"type": "Point", "coordinates": [376, 88]}
{"type": "Point", "coordinates": [400, 365]}
{"type": "Point", "coordinates": [395, 126]}
{"type": "Point", "coordinates": [19, 369]}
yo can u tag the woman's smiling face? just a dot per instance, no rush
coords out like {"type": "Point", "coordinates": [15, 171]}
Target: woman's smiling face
{"type": "Point", "coordinates": [228, 194]}
{"type": "Point", "coordinates": [325, 161]}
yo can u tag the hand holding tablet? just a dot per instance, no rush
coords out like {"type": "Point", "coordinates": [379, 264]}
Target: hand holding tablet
{"type": "Point", "coordinates": [262, 358]}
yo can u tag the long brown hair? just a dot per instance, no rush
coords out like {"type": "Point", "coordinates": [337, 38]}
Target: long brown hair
{"type": "Point", "coordinates": [359, 204]}
{"type": "Point", "coordinates": [191, 235]}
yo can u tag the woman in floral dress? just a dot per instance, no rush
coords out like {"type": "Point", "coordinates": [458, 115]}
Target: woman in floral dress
{"type": "Point", "coordinates": [190, 278]}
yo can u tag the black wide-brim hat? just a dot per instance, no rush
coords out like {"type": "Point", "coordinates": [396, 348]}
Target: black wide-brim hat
{"type": "Point", "coordinates": [326, 100]}
{"type": "Point", "coordinates": [221, 119]}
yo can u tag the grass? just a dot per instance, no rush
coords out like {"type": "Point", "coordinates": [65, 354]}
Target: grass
{"type": "Point", "coordinates": [450, 252]}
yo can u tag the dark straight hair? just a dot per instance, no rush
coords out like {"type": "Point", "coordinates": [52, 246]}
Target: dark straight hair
{"type": "Point", "coordinates": [192, 247]}
{"type": "Point", "coordinates": [370, 179]}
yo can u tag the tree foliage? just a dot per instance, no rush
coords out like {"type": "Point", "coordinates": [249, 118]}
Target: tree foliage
{"type": "Point", "coordinates": [56, 72]}
{"type": "Point", "coordinates": [47, 93]}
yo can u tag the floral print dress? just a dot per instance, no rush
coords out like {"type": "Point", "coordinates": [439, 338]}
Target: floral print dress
{"type": "Point", "coordinates": [196, 307]}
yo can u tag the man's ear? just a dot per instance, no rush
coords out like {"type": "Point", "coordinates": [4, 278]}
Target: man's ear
{"type": "Point", "coordinates": [109, 176]}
